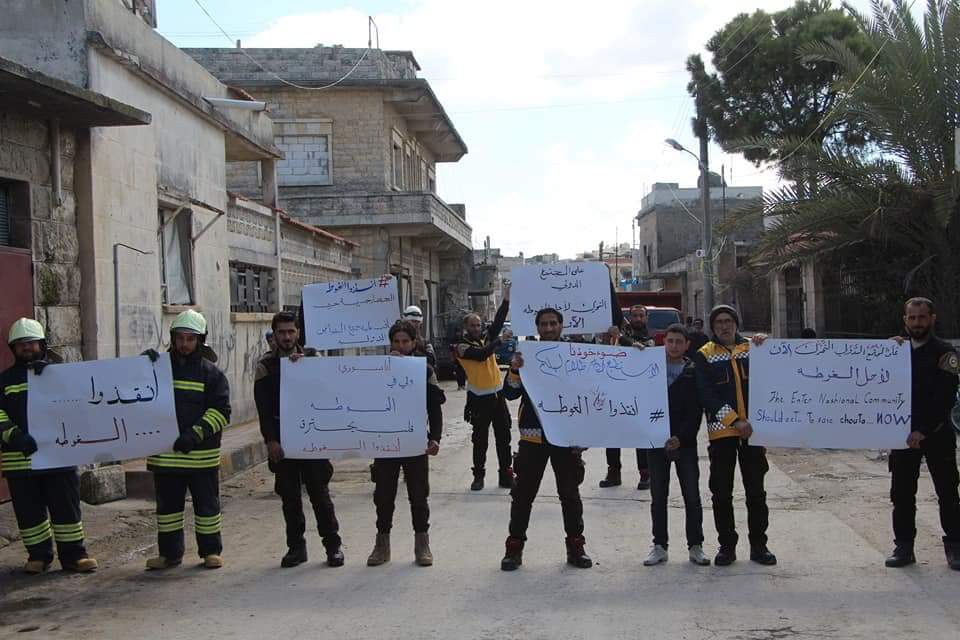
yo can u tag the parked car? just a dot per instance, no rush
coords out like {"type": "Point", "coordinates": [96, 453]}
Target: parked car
{"type": "Point", "coordinates": [658, 319]}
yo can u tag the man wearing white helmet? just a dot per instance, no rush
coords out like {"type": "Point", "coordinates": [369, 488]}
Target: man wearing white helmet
{"type": "Point", "coordinates": [46, 502]}
{"type": "Point", "coordinates": [201, 395]}
{"type": "Point", "coordinates": [414, 315]}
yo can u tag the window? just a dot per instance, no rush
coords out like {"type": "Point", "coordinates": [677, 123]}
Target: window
{"type": "Point", "coordinates": [4, 217]}
{"type": "Point", "coordinates": [306, 145]}
{"type": "Point", "coordinates": [252, 288]}
{"type": "Point", "coordinates": [176, 255]}
{"type": "Point", "coordinates": [397, 161]}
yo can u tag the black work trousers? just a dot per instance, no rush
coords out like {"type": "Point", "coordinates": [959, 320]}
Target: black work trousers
{"type": "Point", "coordinates": [940, 451]}
{"type": "Point", "coordinates": [416, 474]}
{"type": "Point", "coordinates": [315, 475]}
{"type": "Point", "coordinates": [484, 411]}
{"type": "Point", "coordinates": [568, 470]}
{"type": "Point", "coordinates": [47, 507]}
{"type": "Point", "coordinates": [687, 464]}
{"type": "Point", "coordinates": [613, 460]}
{"type": "Point", "coordinates": [724, 454]}
{"type": "Point", "coordinates": [171, 489]}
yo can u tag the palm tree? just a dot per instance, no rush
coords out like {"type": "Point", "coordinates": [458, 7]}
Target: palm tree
{"type": "Point", "coordinates": [891, 205]}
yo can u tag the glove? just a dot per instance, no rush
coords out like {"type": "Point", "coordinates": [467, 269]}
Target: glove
{"type": "Point", "coordinates": [24, 443]}
{"type": "Point", "coordinates": [152, 354]}
{"type": "Point", "coordinates": [38, 367]}
{"type": "Point", "coordinates": [186, 443]}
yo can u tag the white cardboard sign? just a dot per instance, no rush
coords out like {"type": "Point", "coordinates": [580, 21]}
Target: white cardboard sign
{"type": "Point", "coordinates": [101, 411]}
{"type": "Point", "coordinates": [350, 313]}
{"type": "Point", "coordinates": [589, 395]}
{"type": "Point", "coordinates": [830, 394]}
{"type": "Point", "coordinates": [578, 290]}
{"type": "Point", "coordinates": [360, 406]}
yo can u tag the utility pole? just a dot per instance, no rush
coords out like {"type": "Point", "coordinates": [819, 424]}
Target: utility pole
{"type": "Point", "coordinates": [700, 128]}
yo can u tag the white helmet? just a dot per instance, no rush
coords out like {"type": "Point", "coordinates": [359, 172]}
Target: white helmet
{"type": "Point", "coordinates": [412, 312]}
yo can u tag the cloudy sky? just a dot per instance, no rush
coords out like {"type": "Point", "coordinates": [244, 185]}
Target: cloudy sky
{"type": "Point", "coordinates": [563, 105]}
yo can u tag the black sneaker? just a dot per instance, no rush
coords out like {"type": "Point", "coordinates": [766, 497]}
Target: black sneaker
{"type": "Point", "coordinates": [294, 556]}
{"type": "Point", "coordinates": [725, 557]}
{"type": "Point", "coordinates": [901, 557]}
{"type": "Point", "coordinates": [335, 558]}
{"type": "Point", "coordinates": [763, 556]}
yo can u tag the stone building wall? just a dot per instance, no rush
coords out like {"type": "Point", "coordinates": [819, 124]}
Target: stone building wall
{"type": "Point", "coordinates": [45, 226]}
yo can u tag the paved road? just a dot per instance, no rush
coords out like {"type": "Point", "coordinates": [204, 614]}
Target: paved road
{"type": "Point", "coordinates": [830, 582]}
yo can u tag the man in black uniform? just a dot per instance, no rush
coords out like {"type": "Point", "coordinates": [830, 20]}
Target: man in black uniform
{"type": "Point", "coordinates": [46, 502]}
{"type": "Point", "coordinates": [532, 456]}
{"type": "Point", "coordinates": [201, 395]}
{"type": "Point", "coordinates": [635, 331]}
{"type": "Point", "coordinates": [290, 475]}
{"type": "Point", "coordinates": [934, 387]}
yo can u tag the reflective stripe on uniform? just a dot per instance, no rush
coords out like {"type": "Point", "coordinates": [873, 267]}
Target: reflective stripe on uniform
{"type": "Point", "coordinates": [203, 459]}
{"type": "Point", "coordinates": [14, 461]}
{"type": "Point", "coordinates": [3, 416]}
{"type": "Point", "coordinates": [208, 525]}
{"type": "Point", "coordinates": [15, 388]}
{"type": "Point", "coordinates": [215, 419]}
{"type": "Point", "coordinates": [8, 433]}
{"type": "Point", "coordinates": [68, 532]}
{"type": "Point", "coordinates": [37, 534]}
{"type": "Point", "coordinates": [169, 522]}
{"type": "Point", "coordinates": [188, 385]}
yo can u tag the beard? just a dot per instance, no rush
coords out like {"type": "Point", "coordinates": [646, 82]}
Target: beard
{"type": "Point", "coordinates": [919, 333]}
{"type": "Point", "coordinates": [30, 357]}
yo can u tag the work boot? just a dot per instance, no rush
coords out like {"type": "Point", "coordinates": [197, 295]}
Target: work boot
{"type": "Point", "coordinates": [82, 565]}
{"type": "Point", "coordinates": [698, 557]}
{"type": "Point", "coordinates": [36, 567]}
{"type": "Point", "coordinates": [477, 483]}
{"type": "Point", "coordinates": [421, 549]}
{"type": "Point", "coordinates": [513, 557]}
{"type": "Point", "coordinates": [725, 556]}
{"type": "Point", "coordinates": [644, 483]}
{"type": "Point", "coordinates": [612, 479]}
{"type": "Point", "coordinates": [335, 557]}
{"type": "Point", "coordinates": [762, 555]}
{"type": "Point", "coordinates": [294, 556]}
{"type": "Point", "coordinates": [381, 551]}
{"type": "Point", "coordinates": [213, 561]}
{"type": "Point", "coordinates": [952, 549]}
{"type": "Point", "coordinates": [158, 563]}
{"type": "Point", "coordinates": [506, 478]}
{"type": "Point", "coordinates": [658, 555]}
{"type": "Point", "coordinates": [902, 556]}
{"type": "Point", "coordinates": [576, 555]}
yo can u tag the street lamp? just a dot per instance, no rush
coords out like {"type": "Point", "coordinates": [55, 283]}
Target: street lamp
{"type": "Point", "coordinates": [706, 223]}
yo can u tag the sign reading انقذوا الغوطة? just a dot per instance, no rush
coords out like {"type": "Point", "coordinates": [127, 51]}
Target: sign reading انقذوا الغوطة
{"type": "Point", "coordinates": [101, 411]}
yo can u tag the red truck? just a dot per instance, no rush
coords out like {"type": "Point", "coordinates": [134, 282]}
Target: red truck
{"type": "Point", "coordinates": [663, 309]}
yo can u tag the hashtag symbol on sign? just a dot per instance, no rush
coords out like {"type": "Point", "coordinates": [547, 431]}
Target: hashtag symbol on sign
{"type": "Point", "coordinates": [656, 415]}
{"type": "Point", "coordinates": [384, 281]}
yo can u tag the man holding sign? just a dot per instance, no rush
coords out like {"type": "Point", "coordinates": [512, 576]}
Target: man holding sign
{"type": "Point", "coordinates": [46, 502]}
{"type": "Point", "coordinates": [291, 475]}
{"type": "Point", "coordinates": [934, 366]}
{"type": "Point", "coordinates": [202, 398]}
{"type": "Point", "coordinates": [532, 457]}
{"type": "Point", "coordinates": [722, 369]}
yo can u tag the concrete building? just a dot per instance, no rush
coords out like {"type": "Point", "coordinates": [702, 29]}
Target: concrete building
{"type": "Point", "coordinates": [361, 161]}
{"type": "Point", "coordinates": [126, 226]}
{"type": "Point", "coordinates": [669, 234]}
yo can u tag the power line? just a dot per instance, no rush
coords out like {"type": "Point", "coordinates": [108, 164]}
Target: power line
{"type": "Point", "coordinates": [284, 80]}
